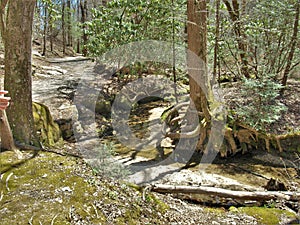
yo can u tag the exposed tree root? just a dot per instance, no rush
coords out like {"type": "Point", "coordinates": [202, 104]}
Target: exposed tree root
{"type": "Point", "coordinates": [238, 137]}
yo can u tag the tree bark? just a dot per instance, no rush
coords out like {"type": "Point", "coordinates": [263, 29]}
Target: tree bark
{"type": "Point", "coordinates": [78, 19]}
{"type": "Point", "coordinates": [83, 8]}
{"type": "Point", "coordinates": [293, 47]}
{"type": "Point", "coordinates": [197, 43]}
{"type": "Point", "coordinates": [69, 24]}
{"type": "Point", "coordinates": [18, 49]}
{"type": "Point", "coordinates": [45, 29]}
{"type": "Point", "coordinates": [234, 13]}
{"type": "Point", "coordinates": [7, 141]}
{"type": "Point", "coordinates": [216, 47]}
{"type": "Point", "coordinates": [63, 25]}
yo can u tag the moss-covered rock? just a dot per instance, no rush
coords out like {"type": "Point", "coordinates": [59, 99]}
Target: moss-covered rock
{"type": "Point", "coordinates": [48, 131]}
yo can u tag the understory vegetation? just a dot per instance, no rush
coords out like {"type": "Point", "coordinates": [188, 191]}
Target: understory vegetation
{"type": "Point", "coordinates": [151, 92]}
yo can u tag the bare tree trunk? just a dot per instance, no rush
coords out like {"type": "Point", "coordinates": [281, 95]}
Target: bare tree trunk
{"type": "Point", "coordinates": [69, 18]}
{"type": "Point", "coordinates": [217, 37]}
{"type": "Point", "coordinates": [83, 7]}
{"type": "Point", "coordinates": [18, 49]}
{"type": "Point", "coordinates": [197, 43]}
{"type": "Point", "coordinates": [234, 13]}
{"type": "Point", "coordinates": [63, 23]}
{"type": "Point", "coordinates": [292, 49]}
{"type": "Point", "coordinates": [7, 141]}
{"type": "Point", "coordinates": [45, 29]}
{"type": "Point", "coordinates": [51, 34]}
{"type": "Point", "coordinates": [78, 19]}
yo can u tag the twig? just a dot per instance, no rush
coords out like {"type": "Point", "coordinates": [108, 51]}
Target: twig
{"type": "Point", "coordinates": [52, 221]}
{"type": "Point", "coordinates": [30, 221]}
{"type": "Point", "coordinates": [146, 189]}
{"type": "Point", "coordinates": [96, 211]}
{"type": "Point", "coordinates": [7, 179]}
{"type": "Point", "coordinates": [285, 169]}
{"type": "Point", "coordinates": [249, 171]}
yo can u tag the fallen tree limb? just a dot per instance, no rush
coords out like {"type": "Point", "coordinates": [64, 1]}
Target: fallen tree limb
{"type": "Point", "coordinates": [240, 195]}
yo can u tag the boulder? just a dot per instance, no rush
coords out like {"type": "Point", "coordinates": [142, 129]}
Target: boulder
{"type": "Point", "coordinates": [48, 131]}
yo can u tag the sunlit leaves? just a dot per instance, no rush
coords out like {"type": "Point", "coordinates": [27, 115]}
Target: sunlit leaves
{"type": "Point", "coordinates": [124, 21]}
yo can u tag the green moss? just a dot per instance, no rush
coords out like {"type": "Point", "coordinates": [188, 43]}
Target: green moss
{"type": "Point", "coordinates": [48, 188]}
{"type": "Point", "coordinates": [217, 211]}
{"type": "Point", "coordinates": [48, 130]}
{"type": "Point", "coordinates": [161, 206]}
{"type": "Point", "coordinates": [267, 216]}
{"type": "Point", "coordinates": [42, 189]}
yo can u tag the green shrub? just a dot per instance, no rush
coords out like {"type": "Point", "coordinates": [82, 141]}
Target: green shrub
{"type": "Point", "coordinates": [261, 106]}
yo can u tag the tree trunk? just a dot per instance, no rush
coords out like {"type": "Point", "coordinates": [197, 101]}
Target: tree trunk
{"type": "Point", "coordinates": [292, 49]}
{"type": "Point", "coordinates": [83, 7]}
{"type": "Point", "coordinates": [51, 30]}
{"type": "Point", "coordinates": [78, 19]}
{"type": "Point", "coordinates": [234, 13]}
{"type": "Point", "coordinates": [7, 141]}
{"type": "Point", "coordinates": [197, 71]}
{"type": "Point", "coordinates": [18, 49]}
{"type": "Point", "coordinates": [69, 19]}
{"type": "Point", "coordinates": [45, 30]}
{"type": "Point", "coordinates": [63, 25]}
{"type": "Point", "coordinates": [197, 43]}
{"type": "Point", "coordinates": [216, 47]}
{"type": "Point", "coordinates": [193, 133]}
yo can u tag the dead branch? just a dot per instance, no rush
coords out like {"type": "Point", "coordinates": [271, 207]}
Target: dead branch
{"type": "Point", "coordinates": [239, 195]}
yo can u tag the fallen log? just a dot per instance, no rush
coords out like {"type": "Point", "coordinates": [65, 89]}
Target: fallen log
{"type": "Point", "coordinates": [238, 195]}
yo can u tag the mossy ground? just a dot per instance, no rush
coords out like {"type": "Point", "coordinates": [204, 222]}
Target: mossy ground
{"type": "Point", "coordinates": [267, 216]}
{"type": "Point", "coordinates": [53, 189]}
{"type": "Point", "coordinates": [43, 189]}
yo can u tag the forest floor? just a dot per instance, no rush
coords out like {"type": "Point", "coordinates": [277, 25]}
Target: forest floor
{"type": "Point", "coordinates": [57, 187]}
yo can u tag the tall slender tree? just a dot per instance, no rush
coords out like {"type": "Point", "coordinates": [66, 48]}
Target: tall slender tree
{"type": "Point", "coordinates": [16, 27]}
{"type": "Point", "coordinates": [45, 22]}
{"type": "Point", "coordinates": [197, 43]}
{"type": "Point", "coordinates": [293, 44]}
{"type": "Point", "coordinates": [83, 9]}
{"type": "Point", "coordinates": [235, 12]}
{"type": "Point", "coordinates": [69, 24]}
{"type": "Point", "coordinates": [63, 25]}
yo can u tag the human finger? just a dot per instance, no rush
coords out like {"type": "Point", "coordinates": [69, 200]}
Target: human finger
{"type": "Point", "coordinates": [4, 105]}
{"type": "Point", "coordinates": [5, 99]}
{"type": "Point", "coordinates": [3, 92]}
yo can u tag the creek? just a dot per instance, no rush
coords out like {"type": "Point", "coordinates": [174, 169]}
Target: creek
{"type": "Point", "coordinates": [54, 85]}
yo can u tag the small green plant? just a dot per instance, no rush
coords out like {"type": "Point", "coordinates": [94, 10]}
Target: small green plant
{"type": "Point", "coordinates": [103, 163]}
{"type": "Point", "coordinates": [261, 106]}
